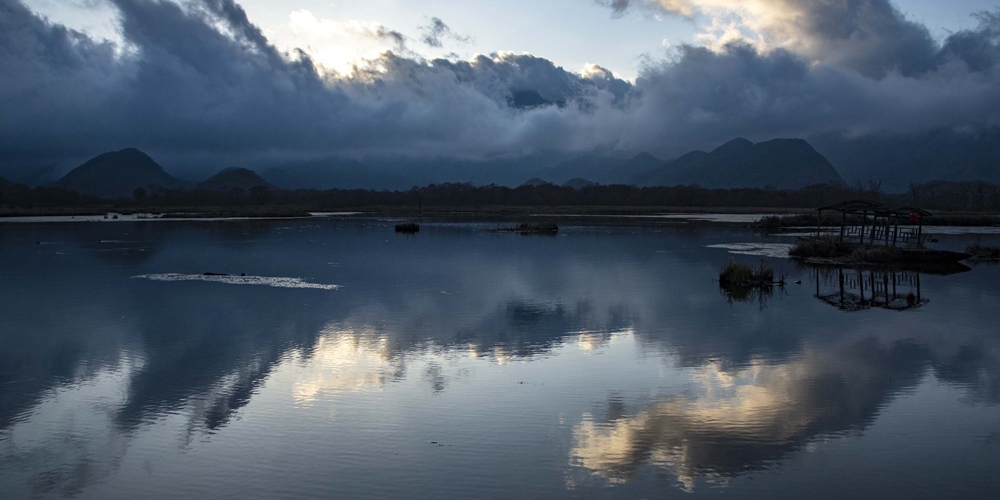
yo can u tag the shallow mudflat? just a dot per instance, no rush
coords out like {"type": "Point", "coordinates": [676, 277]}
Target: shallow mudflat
{"type": "Point", "coordinates": [459, 362]}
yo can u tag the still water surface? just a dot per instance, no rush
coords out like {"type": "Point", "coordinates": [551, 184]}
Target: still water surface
{"type": "Point", "coordinates": [353, 362]}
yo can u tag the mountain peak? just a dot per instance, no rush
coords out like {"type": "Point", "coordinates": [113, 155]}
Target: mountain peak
{"type": "Point", "coordinates": [644, 157]}
{"type": "Point", "coordinates": [117, 174]}
{"type": "Point", "coordinates": [780, 163]}
{"type": "Point", "coordinates": [736, 145]}
{"type": "Point", "coordinates": [231, 178]}
{"type": "Point", "coordinates": [535, 181]}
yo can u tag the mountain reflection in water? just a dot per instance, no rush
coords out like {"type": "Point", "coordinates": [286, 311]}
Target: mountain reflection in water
{"type": "Point", "coordinates": [602, 356]}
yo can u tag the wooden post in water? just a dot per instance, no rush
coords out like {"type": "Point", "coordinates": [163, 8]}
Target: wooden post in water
{"type": "Point", "coordinates": [843, 221]}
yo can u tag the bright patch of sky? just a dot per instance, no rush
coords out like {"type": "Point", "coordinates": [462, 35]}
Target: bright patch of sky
{"type": "Point", "coordinates": [571, 33]}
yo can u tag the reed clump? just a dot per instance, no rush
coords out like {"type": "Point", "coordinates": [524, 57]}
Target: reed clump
{"type": "Point", "coordinates": [740, 282]}
{"type": "Point", "coordinates": [738, 274]}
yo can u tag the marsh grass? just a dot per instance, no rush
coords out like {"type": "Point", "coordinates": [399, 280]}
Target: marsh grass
{"type": "Point", "coordinates": [739, 274]}
{"type": "Point", "coordinates": [983, 252]}
{"type": "Point", "coordinates": [826, 247]}
{"type": "Point", "coordinates": [740, 282]}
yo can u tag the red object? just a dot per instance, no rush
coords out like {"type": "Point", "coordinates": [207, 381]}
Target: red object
{"type": "Point", "coordinates": [914, 217]}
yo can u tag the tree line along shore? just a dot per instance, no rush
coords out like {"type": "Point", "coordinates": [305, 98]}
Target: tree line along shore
{"type": "Point", "coordinates": [954, 203]}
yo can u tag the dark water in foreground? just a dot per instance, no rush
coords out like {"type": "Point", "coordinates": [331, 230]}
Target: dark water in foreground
{"type": "Point", "coordinates": [600, 363]}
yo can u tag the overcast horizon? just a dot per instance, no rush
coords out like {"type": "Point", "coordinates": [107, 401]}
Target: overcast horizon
{"type": "Point", "coordinates": [309, 79]}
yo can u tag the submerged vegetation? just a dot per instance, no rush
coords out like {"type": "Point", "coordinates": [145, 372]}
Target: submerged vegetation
{"type": "Point", "coordinates": [983, 252]}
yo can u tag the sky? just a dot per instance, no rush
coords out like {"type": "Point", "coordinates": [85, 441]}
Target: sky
{"type": "Point", "coordinates": [571, 33]}
{"type": "Point", "coordinates": [306, 79]}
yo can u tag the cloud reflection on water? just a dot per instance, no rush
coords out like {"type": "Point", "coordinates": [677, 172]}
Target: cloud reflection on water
{"type": "Point", "coordinates": [764, 383]}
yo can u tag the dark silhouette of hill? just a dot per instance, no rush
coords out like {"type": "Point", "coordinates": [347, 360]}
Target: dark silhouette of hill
{"type": "Point", "coordinates": [602, 169]}
{"type": "Point", "coordinates": [36, 176]}
{"type": "Point", "coordinates": [4, 183]}
{"type": "Point", "coordinates": [778, 163]}
{"type": "Point", "coordinates": [118, 174]}
{"type": "Point", "coordinates": [328, 174]}
{"type": "Point", "coordinates": [578, 183]}
{"type": "Point", "coordinates": [942, 154]}
{"type": "Point", "coordinates": [535, 181]}
{"type": "Point", "coordinates": [232, 178]}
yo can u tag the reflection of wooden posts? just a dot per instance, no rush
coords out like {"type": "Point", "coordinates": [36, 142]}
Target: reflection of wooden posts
{"type": "Point", "coordinates": [861, 234]}
{"type": "Point", "coordinates": [861, 286]}
{"type": "Point", "coordinates": [918, 288]}
{"type": "Point", "coordinates": [841, 272]}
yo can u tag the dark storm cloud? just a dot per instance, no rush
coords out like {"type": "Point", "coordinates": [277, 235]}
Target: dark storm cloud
{"type": "Point", "coordinates": [199, 78]}
{"type": "Point", "coordinates": [868, 36]}
{"type": "Point", "coordinates": [437, 31]}
{"type": "Point", "coordinates": [202, 77]}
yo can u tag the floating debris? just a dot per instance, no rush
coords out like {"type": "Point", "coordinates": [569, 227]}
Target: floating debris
{"type": "Point", "coordinates": [277, 282]}
{"type": "Point", "coordinates": [549, 228]}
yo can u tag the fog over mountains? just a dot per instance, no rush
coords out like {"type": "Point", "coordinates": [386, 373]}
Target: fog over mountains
{"type": "Point", "coordinates": [199, 87]}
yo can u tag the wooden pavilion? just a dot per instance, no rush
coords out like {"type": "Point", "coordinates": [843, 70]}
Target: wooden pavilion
{"type": "Point", "coordinates": [869, 223]}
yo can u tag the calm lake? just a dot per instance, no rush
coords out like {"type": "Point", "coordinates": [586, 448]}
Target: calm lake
{"type": "Point", "coordinates": [354, 362]}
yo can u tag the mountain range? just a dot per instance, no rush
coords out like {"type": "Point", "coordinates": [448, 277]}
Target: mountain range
{"type": "Point", "coordinates": [777, 163]}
